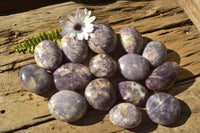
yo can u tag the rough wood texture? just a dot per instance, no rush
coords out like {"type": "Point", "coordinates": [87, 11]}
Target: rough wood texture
{"type": "Point", "coordinates": [192, 8]}
{"type": "Point", "coordinates": [162, 20]}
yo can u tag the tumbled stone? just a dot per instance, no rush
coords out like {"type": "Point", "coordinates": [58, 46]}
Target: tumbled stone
{"type": "Point", "coordinates": [155, 52]}
{"type": "Point", "coordinates": [67, 106]}
{"type": "Point", "coordinates": [163, 77]}
{"type": "Point", "coordinates": [75, 50]}
{"type": "Point", "coordinates": [133, 92]}
{"type": "Point", "coordinates": [132, 40]}
{"type": "Point", "coordinates": [134, 67]}
{"type": "Point", "coordinates": [100, 94]}
{"type": "Point", "coordinates": [163, 108]}
{"type": "Point", "coordinates": [103, 38]}
{"type": "Point", "coordinates": [125, 115]}
{"type": "Point", "coordinates": [102, 65]}
{"type": "Point", "coordinates": [48, 55]}
{"type": "Point", "coordinates": [72, 76]}
{"type": "Point", "coordinates": [35, 79]}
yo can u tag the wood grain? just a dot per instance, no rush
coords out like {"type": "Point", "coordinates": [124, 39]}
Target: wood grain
{"type": "Point", "coordinates": [162, 20]}
{"type": "Point", "coordinates": [192, 8]}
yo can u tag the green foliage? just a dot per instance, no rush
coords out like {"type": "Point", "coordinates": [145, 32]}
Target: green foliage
{"type": "Point", "coordinates": [28, 45]}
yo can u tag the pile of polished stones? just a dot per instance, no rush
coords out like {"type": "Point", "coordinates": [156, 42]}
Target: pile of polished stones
{"type": "Point", "coordinates": [141, 64]}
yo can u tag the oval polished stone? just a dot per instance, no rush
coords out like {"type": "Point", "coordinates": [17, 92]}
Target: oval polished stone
{"type": "Point", "coordinates": [67, 106]}
{"type": "Point", "coordinates": [75, 50]}
{"type": "Point", "coordinates": [103, 38]}
{"type": "Point", "coordinates": [102, 65]}
{"type": "Point", "coordinates": [72, 76]}
{"type": "Point", "coordinates": [133, 92]}
{"type": "Point", "coordinates": [100, 94]}
{"type": "Point", "coordinates": [134, 67]}
{"type": "Point", "coordinates": [35, 79]}
{"type": "Point", "coordinates": [163, 108]}
{"type": "Point", "coordinates": [155, 52]}
{"type": "Point", "coordinates": [48, 55]}
{"type": "Point", "coordinates": [163, 76]}
{"type": "Point", "coordinates": [125, 115]}
{"type": "Point", "coordinates": [131, 39]}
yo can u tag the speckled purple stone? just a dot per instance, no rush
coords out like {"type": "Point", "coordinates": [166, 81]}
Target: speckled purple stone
{"type": "Point", "coordinates": [102, 65]}
{"type": "Point", "coordinates": [163, 108]}
{"type": "Point", "coordinates": [155, 52]}
{"type": "Point", "coordinates": [48, 55]}
{"type": "Point", "coordinates": [100, 94]}
{"type": "Point", "coordinates": [125, 115]}
{"type": "Point", "coordinates": [72, 76]}
{"type": "Point", "coordinates": [67, 106]}
{"type": "Point", "coordinates": [134, 67]}
{"type": "Point", "coordinates": [132, 40]}
{"type": "Point", "coordinates": [133, 92]}
{"type": "Point", "coordinates": [35, 79]}
{"type": "Point", "coordinates": [103, 38]}
{"type": "Point", "coordinates": [75, 50]}
{"type": "Point", "coordinates": [163, 77]}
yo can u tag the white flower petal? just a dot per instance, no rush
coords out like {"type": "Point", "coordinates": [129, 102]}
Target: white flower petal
{"type": "Point", "coordinates": [80, 36]}
{"type": "Point", "coordinates": [85, 34]}
{"type": "Point", "coordinates": [70, 17]}
{"type": "Point", "coordinates": [65, 24]}
{"type": "Point", "coordinates": [90, 20]}
{"type": "Point", "coordinates": [78, 15]}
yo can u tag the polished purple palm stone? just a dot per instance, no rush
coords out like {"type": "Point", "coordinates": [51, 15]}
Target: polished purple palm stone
{"type": "Point", "coordinates": [134, 67]}
{"type": "Point", "coordinates": [163, 76]}
{"type": "Point", "coordinates": [100, 94]}
{"type": "Point", "coordinates": [102, 65]}
{"type": "Point", "coordinates": [35, 79]}
{"type": "Point", "coordinates": [67, 106]}
{"type": "Point", "coordinates": [72, 76]}
{"type": "Point", "coordinates": [133, 92]}
{"type": "Point", "coordinates": [103, 38]}
{"type": "Point", "coordinates": [163, 108]}
{"type": "Point", "coordinates": [125, 115]}
{"type": "Point", "coordinates": [48, 55]}
{"type": "Point", "coordinates": [131, 39]}
{"type": "Point", "coordinates": [155, 52]}
{"type": "Point", "coordinates": [75, 50]}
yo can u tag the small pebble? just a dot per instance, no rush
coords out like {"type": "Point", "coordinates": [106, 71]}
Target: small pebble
{"type": "Point", "coordinates": [100, 94]}
{"type": "Point", "coordinates": [102, 65]}
{"type": "Point", "coordinates": [155, 52]}
{"type": "Point", "coordinates": [48, 55]}
{"type": "Point", "coordinates": [75, 50]}
{"type": "Point", "coordinates": [67, 106]}
{"type": "Point", "coordinates": [35, 79]}
{"type": "Point", "coordinates": [103, 38]}
{"type": "Point", "coordinates": [132, 40]}
{"type": "Point", "coordinates": [163, 77]}
{"type": "Point", "coordinates": [72, 76]}
{"type": "Point", "coordinates": [133, 92]}
{"type": "Point", "coordinates": [134, 67]}
{"type": "Point", "coordinates": [125, 115]}
{"type": "Point", "coordinates": [163, 108]}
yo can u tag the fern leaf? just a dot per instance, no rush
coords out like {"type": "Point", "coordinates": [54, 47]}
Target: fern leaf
{"type": "Point", "coordinates": [29, 44]}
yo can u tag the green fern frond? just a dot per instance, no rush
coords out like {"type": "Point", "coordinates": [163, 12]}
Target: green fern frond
{"type": "Point", "coordinates": [28, 45]}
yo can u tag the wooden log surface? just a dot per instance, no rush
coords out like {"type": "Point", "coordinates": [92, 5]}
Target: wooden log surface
{"type": "Point", "coordinates": [192, 8]}
{"type": "Point", "coordinates": [162, 20]}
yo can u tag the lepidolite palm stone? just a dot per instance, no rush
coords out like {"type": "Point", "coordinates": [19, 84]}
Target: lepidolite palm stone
{"type": "Point", "coordinates": [35, 79]}
{"type": "Point", "coordinates": [100, 94]}
{"type": "Point", "coordinates": [102, 65]}
{"type": "Point", "coordinates": [133, 92]}
{"type": "Point", "coordinates": [125, 115]}
{"type": "Point", "coordinates": [163, 108]}
{"type": "Point", "coordinates": [134, 67]}
{"type": "Point", "coordinates": [72, 76]}
{"type": "Point", "coordinates": [163, 77]}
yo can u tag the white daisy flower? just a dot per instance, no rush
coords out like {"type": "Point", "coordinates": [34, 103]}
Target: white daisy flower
{"type": "Point", "coordinates": [80, 25]}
